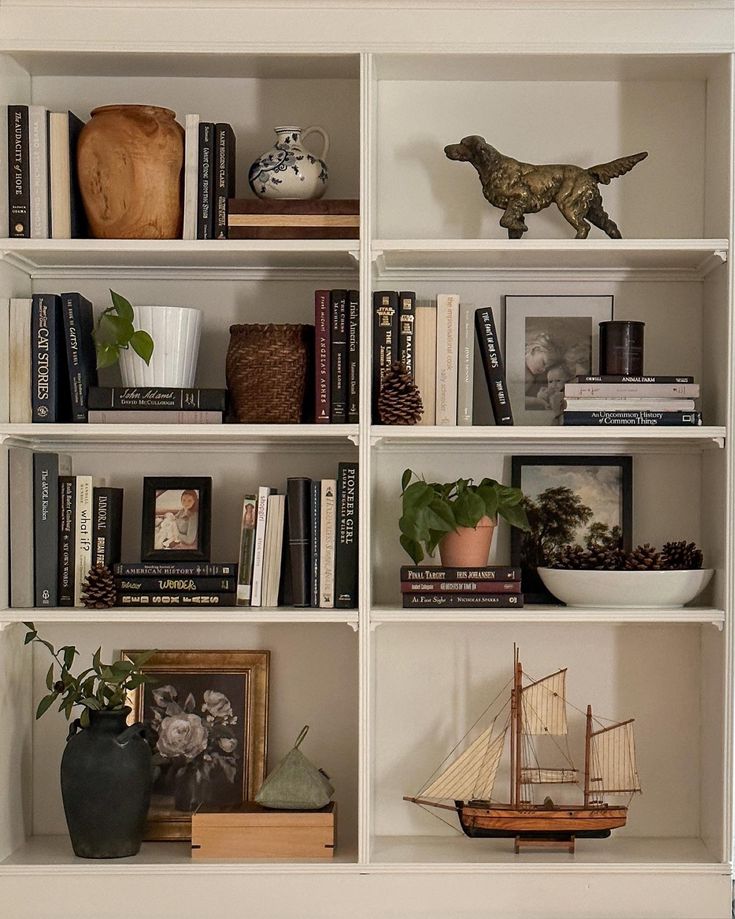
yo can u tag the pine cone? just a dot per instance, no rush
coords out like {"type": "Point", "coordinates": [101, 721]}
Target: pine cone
{"type": "Point", "coordinates": [399, 401]}
{"type": "Point", "coordinates": [644, 558]}
{"type": "Point", "coordinates": [98, 590]}
{"type": "Point", "coordinates": [591, 558]}
{"type": "Point", "coordinates": [681, 555]}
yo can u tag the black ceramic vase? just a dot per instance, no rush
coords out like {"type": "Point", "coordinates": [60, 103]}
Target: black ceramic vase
{"type": "Point", "coordinates": [106, 785]}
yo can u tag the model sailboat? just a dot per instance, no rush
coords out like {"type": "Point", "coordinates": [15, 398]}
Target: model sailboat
{"type": "Point", "coordinates": [537, 709]}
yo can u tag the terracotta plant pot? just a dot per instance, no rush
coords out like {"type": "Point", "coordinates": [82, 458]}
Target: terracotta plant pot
{"type": "Point", "coordinates": [129, 161]}
{"type": "Point", "coordinates": [468, 546]}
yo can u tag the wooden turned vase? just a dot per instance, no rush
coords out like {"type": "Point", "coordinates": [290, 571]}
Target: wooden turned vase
{"type": "Point", "coordinates": [129, 161]}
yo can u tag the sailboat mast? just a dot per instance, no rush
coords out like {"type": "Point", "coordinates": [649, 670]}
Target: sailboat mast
{"type": "Point", "coordinates": [518, 676]}
{"type": "Point", "coordinates": [513, 716]}
{"type": "Point", "coordinates": [587, 744]}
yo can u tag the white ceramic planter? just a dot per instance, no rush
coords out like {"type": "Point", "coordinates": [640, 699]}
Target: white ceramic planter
{"type": "Point", "coordinates": [626, 589]}
{"type": "Point", "coordinates": [175, 331]}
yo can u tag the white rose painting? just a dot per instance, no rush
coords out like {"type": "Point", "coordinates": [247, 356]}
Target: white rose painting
{"type": "Point", "coordinates": [196, 724]}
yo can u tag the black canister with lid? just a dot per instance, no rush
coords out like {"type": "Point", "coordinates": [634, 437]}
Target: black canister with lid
{"type": "Point", "coordinates": [621, 348]}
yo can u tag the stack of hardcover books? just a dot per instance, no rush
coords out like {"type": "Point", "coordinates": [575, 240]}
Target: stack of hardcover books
{"type": "Point", "coordinates": [438, 344]}
{"type": "Point", "coordinates": [623, 400]}
{"type": "Point", "coordinates": [425, 586]}
{"type": "Point", "coordinates": [300, 548]}
{"type": "Point", "coordinates": [155, 405]}
{"type": "Point", "coordinates": [337, 356]}
{"type": "Point", "coordinates": [193, 583]}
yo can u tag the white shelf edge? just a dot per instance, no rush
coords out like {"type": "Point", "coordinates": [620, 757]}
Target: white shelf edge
{"type": "Point", "coordinates": [637, 437]}
{"type": "Point", "coordinates": [155, 434]}
{"type": "Point", "coordinates": [543, 613]}
{"type": "Point", "coordinates": [178, 615]}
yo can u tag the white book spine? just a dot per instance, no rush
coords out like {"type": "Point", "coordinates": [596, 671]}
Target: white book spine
{"type": "Point", "coordinates": [38, 159]}
{"type": "Point", "coordinates": [424, 348]}
{"type": "Point", "coordinates": [4, 360]}
{"type": "Point", "coordinates": [256, 591]}
{"type": "Point", "coordinates": [20, 465]}
{"type": "Point", "coordinates": [327, 535]}
{"type": "Point", "coordinates": [630, 405]}
{"type": "Point", "coordinates": [20, 361]}
{"type": "Point", "coordinates": [447, 323]}
{"type": "Point", "coordinates": [191, 176]}
{"type": "Point", "coordinates": [631, 390]}
{"type": "Point", "coordinates": [465, 364]}
{"type": "Point", "coordinates": [59, 175]}
{"type": "Point", "coordinates": [82, 534]}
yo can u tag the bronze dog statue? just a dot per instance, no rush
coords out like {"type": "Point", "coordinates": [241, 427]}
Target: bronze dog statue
{"type": "Point", "coordinates": [522, 188]}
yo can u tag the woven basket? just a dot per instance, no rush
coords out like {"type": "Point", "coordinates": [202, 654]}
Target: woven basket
{"type": "Point", "coordinates": [267, 368]}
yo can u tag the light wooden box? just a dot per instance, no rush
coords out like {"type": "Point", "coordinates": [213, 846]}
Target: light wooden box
{"type": "Point", "coordinates": [251, 831]}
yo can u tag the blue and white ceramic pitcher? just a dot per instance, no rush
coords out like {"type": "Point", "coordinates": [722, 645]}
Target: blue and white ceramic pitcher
{"type": "Point", "coordinates": [288, 170]}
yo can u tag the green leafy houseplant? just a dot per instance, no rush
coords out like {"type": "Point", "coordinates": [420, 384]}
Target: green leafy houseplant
{"type": "Point", "coordinates": [433, 509]}
{"type": "Point", "coordinates": [115, 332]}
{"type": "Point", "coordinates": [101, 687]}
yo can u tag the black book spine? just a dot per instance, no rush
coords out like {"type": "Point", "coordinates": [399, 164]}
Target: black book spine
{"type": "Point", "coordinates": [169, 584]}
{"type": "Point", "coordinates": [298, 507]}
{"type": "Point", "coordinates": [121, 398]}
{"type": "Point", "coordinates": [492, 363]}
{"type": "Point", "coordinates": [19, 185]}
{"type": "Point", "coordinates": [43, 363]}
{"type": "Point", "coordinates": [316, 513]}
{"type": "Point", "coordinates": [438, 573]}
{"type": "Point", "coordinates": [79, 228]}
{"type": "Point", "coordinates": [174, 599]}
{"type": "Point", "coordinates": [224, 176]}
{"type": "Point", "coordinates": [205, 221]}
{"type": "Point", "coordinates": [353, 357]}
{"type": "Point", "coordinates": [338, 345]}
{"type": "Point", "coordinates": [633, 418]}
{"type": "Point", "coordinates": [462, 601]}
{"type": "Point", "coordinates": [611, 378]}
{"type": "Point", "coordinates": [385, 339]}
{"type": "Point", "coordinates": [67, 523]}
{"type": "Point", "coordinates": [107, 515]}
{"type": "Point", "coordinates": [45, 529]}
{"type": "Point", "coordinates": [173, 569]}
{"type": "Point", "coordinates": [346, 555]}
{"type": "Point", "coordinates": [80, 352]}
{"type": "Point", "coordinates": [406, 321]}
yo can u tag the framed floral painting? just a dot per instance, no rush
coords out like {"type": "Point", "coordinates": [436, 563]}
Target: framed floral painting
{"type": "Point", "coordinates": [206, 717]}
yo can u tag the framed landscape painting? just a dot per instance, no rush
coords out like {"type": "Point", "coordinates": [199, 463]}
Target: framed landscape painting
{"type": "Point", "coordinates": [549, 340]}
{"type": "Point", "coordinates": [206, 717]}
{"type": "Point", "coordinates": [570, 500]}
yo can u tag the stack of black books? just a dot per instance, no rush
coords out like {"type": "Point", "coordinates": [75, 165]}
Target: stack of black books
{"type": "Point", "coordinates": [425, 586]}
{"type": "Point", "coordinates": [156, 584]}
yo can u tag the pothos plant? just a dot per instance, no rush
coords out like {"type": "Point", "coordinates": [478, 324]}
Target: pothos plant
{"type": "Point", "coordinates": [433, 509]}
{"type": "Point", "coordinates": [101, 687]}
{"type": "Point", "coordinates": [115, 332]}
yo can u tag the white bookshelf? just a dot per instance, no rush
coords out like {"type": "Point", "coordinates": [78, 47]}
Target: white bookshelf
{"type": "Point", "coordinates": [387, 691]}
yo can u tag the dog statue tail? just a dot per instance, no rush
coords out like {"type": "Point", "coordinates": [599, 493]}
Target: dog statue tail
{"type": "Point", "coordinates": [619, 167]}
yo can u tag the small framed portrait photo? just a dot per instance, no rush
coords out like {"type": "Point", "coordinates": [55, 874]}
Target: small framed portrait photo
{"type": "Point", "coordinates": [548, 342]}
{"type": "Point", "coordinates": [177, 513]}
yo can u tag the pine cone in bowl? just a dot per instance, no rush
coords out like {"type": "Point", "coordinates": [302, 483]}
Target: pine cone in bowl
{"type": "Point", "coordinates": [644, 558]}
{"type": "Point", "coordinates": [681, 555]}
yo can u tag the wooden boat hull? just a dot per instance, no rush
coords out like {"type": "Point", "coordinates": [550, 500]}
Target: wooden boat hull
{"type": "Point", "coordinates": [478, 820]}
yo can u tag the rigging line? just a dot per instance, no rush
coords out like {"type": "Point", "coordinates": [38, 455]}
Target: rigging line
{"type": "Point", "coordinates": [437, 817]}
{"type": "Point", "coordinates": [472, 727]}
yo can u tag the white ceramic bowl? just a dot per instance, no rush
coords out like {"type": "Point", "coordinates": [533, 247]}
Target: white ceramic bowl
{"type": "Point", "coordinates": [629, 589]}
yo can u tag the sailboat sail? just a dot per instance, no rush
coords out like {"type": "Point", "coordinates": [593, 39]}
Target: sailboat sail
{"type": "Point", "coordinates": [613, 767]}
{"type": "Point", "coordinates": [544, 706]}
{"type": "Point", "coordinates": [536, 775]}
{"type": "Point", "coordinates": [471, 775]}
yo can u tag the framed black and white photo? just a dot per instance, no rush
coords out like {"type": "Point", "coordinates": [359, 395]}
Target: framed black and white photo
{"type": "Point", "coordinates": [570, 500]}
{"type": "Point", "coordinates": [548, 342]}
{"type": "Point", "coordinates": [177, 514]}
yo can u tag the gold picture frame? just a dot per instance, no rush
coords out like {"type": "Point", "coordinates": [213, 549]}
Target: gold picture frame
{"type": "Point", "coordinates": [207, 715]}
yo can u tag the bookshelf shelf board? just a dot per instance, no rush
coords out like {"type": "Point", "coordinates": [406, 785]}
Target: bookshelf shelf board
{"type": "Point", "coordinates": [691, 258]}
{"type": "Point", "coordinates": [53, 855]}
{"type": "Point", "coordinates": [636, 439]}
{"type": "Point", "coordinates": [542, 613]}
{"type": "Point", "coordinates": [80, 258]}
{"type": "Point", "coordinates": [667, 855]}
{"type": "Point", "coordinates": [167, 614]}
{"type": "Point", "coordinates": [134, 435]}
